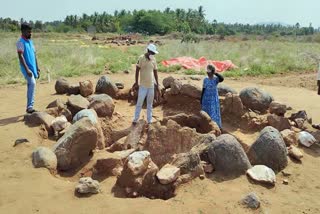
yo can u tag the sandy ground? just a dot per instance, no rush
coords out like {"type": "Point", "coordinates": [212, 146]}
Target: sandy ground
{"type": "Point", "coordinates": [25, 189]}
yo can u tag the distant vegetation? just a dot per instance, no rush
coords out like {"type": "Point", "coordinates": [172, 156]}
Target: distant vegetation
{"type": "Point", "coordinates": [151, 22]}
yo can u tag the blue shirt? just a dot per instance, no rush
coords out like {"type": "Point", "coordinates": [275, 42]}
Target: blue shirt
{"type": "Point", "coordinates": [26, 47]}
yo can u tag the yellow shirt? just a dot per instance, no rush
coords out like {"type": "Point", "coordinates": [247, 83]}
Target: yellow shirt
{"type": "Point", "coordinates": [146, 71]}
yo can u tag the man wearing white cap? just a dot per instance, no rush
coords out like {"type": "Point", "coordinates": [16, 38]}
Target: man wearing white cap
{"type": "Point", "coordinates": [147, 68]}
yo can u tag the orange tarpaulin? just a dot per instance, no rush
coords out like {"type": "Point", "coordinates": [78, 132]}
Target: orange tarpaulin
{"type": "Point", "coordinates": [197, 64]}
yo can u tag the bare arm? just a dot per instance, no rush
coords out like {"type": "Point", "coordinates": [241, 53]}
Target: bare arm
{"type": "Point", "coordinates": [136, 83]}
{"type": "Point", "coordinates": [24, 64]}
{"type": "Point", "coordinates": [220, 77]}
{"type": "Point", "coordinates": [155, 73]}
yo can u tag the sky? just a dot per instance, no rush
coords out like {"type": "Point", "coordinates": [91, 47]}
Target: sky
{"type": "Point", "coordinates": [228, 11]}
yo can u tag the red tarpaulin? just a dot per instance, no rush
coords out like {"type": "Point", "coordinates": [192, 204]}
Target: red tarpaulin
{"type": "Point", "coordinates": [197, 64]}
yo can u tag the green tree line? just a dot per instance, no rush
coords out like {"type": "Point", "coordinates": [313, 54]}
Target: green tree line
{"type": "Point", "coordinates": [152, 22]}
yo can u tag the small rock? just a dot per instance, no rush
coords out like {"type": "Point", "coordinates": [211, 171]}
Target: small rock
{"type": "Point", "coordinates": [119, 85]}
{"type": "Point", "coordinates": [207, 167]}
{"type": "Point", "coordinates": [289, 137]}
{"type": "Point", "coordinates": [202, 177]}
{"type": "Point", "coordinates": [88, 185]}
{"type": "Point", "coordinates": [168, 174]}
{"type": "Point", "coordinates": [306, 139]}
{"type": "Point", "coordinates": [59, 123]}
{"type": "Point", "coordinates": [126, 72]}
{"type": "Point", "coordinates": [295, 153]}
{"type": "Point", "coordinates": [278, 122]}
{"type": "Point", "coordinates": [138, 162]}
{"type": "Point", "coordinates": [299, 122]}
{"type": "Point", "coordinates": [251, 200]}
{"type": "Point", "coordinates": [277, 108]}
{"type": "Point", "coordinates": [285, 181]}
{"type": "Point", "coordinates": [262, 174]}
{"type": "Point", "coordinates": [300, 114]}
{"type": "Point", "coordinates": [286, 173]}
{"type": "Point", "coordinates": [19, 141]}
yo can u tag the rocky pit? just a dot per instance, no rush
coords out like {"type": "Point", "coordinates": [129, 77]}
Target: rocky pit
{"type": "Point", "coordinates": [154, 160]}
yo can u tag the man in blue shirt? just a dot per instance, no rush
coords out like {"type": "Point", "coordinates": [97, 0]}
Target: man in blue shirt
{"type": "Point", "coordinates": [28, 63]}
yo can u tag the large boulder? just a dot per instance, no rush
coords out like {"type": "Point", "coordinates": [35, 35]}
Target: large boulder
{"type": "Point", "coordinates": [38, 118]}
{"type": "Point", "coordinates": [92, 115]}
{"type": "Point", "coordinates": [269, 150]}
{"type": "Point", "coordinates": [277, 108]}
{"type": "Point", "coordinates": [256, 99]}
{"type": "Point", "coordinates": [77, 103]}
{"type": "Point", "coordinates": [175, 87]}
{"type": "Point", "coordinates": [223, 90]}
{"type": "Point", "coordinates": [106, 86]}
{"type": "Point", "coordinates": [86, 88]}
{"type": "Point", "coordinates": [166, 82]}
{"type": "Point", "coordinates": [61, 86]}
{"type": "Point", "coordinates": [278, 122]}
{"type": "Point", "coordinates": [228, 157]}
{"type": "Point", "coordinates": [102, 104]}
{"type": "Point", "coordinates": [44, 157]}
{"type": "Point", "coordinates": [190, 90]}
{"type": "Point", "coordinates": [89, 113]}
{"type": "Point", "coordinates": [75, 146]}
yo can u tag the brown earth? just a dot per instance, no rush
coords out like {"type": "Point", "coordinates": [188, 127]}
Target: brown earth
{"type": "Point", "coordinates": [25, 189]}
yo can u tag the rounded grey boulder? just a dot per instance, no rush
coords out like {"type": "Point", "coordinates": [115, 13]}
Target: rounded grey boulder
{"type": "Point", "coordinates": [61, 86]}
{"type": "Point", "coordinates": [106, 86]}
{"type": "Point", "coordinates": [228, 157]}
{"type": "Point", "coordinates": [256, 99]}
{"type": "Point", "coordinates": [44, 157]}
{"type": "Point", "coordinates": [269, 150]}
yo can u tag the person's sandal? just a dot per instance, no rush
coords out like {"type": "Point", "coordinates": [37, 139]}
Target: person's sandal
{"type": "Point", "coordinates": [30, 110]}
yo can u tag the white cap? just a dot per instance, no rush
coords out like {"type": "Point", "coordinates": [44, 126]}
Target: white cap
{"type": "Point", "coordinates": [153, 48]}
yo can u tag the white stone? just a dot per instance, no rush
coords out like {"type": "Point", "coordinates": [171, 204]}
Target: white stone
{"type": "Point", "coordinates": [88, 185]}
{"type": "Point", "coordinates": [138, 162]}
{"type": "Point", "coordinates": [306, 139]}
{"type": "Point", "coordinates": [262, 173]}
{"type": "Point", "coordinates": [168, 174]}
{"type": "Point", "coordinates": [59, 123]}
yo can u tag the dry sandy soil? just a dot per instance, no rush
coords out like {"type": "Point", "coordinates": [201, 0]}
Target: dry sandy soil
{"type": "Point", "coordinates": [25, 189]}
